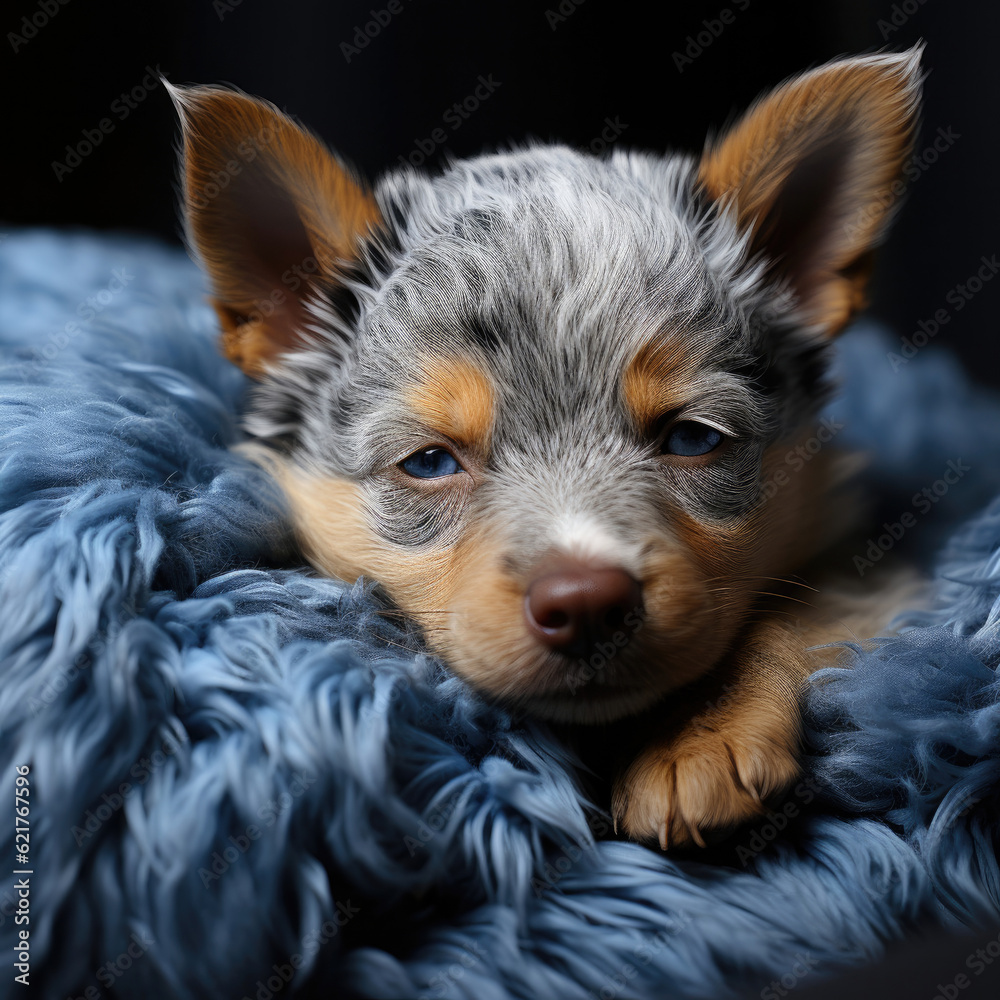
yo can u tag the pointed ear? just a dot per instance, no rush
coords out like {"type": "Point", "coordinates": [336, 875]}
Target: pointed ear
{"type": "Point", "coordinates": [813, 171]}
{"type": "Point", "coordinates": [269, 211]}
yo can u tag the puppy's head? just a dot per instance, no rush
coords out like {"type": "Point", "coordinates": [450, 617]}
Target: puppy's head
{"type": "Point", "coordinates": [542, 397]}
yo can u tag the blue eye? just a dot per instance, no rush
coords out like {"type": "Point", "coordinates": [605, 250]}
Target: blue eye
{"type": "Point", "coordinates": [431, 463]}
{"type": "Point", "coordinates": [690, 438]}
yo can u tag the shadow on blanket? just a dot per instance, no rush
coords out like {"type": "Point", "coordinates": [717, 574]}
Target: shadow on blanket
{"type": "Point", "coordinates": [245, 781]}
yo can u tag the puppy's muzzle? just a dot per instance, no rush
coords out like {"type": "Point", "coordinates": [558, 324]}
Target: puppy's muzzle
{"type": "Point", "coordinates": [572, 605]}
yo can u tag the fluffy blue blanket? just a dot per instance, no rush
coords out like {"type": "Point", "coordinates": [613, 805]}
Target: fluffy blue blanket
{"type": "Point", "coordinates": [244, 781]}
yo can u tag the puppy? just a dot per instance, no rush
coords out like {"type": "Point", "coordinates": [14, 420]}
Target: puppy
{"type": "Point", "coordinates": [547, 399]}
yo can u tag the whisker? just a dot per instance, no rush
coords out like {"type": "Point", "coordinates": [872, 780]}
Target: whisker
{"type": "Point", "coordinates": [734, 580]}
{"type": "Point", "coordinates": [392, 613]}
{"type": "Point", "coordinates": [784, 597]}
{"type": "Point", "coordinates": [794, 583]}
{"type": "Point", "coordinates": [398, 645]}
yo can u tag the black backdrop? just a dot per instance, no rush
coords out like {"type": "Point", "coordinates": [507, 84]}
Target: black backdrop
{"type": "Point", "coordinates": [562, 69]}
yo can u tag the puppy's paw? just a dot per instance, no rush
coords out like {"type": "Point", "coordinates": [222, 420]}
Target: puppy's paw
{"type": "Point", "coordinates": [702, 782]}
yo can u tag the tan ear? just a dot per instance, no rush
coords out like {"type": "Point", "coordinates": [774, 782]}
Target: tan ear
{"type": "Point", "coordinates": [814, 170]}
{"type": "Point", "coordinates": [269, 211]}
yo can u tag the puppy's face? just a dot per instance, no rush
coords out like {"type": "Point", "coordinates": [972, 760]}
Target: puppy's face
{"type": "Point", "coordinates": [539, 397]}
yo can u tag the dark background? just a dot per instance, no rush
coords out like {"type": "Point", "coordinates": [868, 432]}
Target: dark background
{"type": "Point", "coordinates": [559, 79]}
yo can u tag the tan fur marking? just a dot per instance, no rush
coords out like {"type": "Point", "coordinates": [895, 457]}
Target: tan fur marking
{"type": "Point", "coordinates": [869, 105]}
{"type": "Point", "coordinates": [333, 530]}
{"type": "Point", "coordinates": [797, 519]}
{"type": "Point", "coordinates": [488, 616]}
{"type": "Point", "coordinates": [658, 379]}
{"type": "Point", "coordinates": [263, 196]}
{"type": "Point", "coordinates": [456, 397]}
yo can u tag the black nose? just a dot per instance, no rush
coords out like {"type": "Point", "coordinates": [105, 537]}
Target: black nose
{"type": "Point", "coordinates": [573, 606]}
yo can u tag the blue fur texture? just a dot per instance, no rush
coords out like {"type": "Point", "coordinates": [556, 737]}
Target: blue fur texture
{"type": "Point", "coordinates": [246, 781]}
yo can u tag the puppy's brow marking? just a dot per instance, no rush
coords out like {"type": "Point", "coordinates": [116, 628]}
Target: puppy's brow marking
{"type": "Point", "coordinates": [456, 397]}
{"type": "Point", "coordinates": [659, 378]}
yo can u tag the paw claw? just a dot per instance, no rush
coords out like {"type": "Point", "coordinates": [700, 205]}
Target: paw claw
{"type": "Point", "coordinates": [695, 834]}
{"type": "Point", "coordinates": [688, 790]}
{"type": "Point", "coordinates": [749, 788]}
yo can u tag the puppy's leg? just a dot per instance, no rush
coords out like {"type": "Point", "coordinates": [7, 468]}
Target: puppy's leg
{"type": "Point", "coordinates": [712, 770]}
{"type": "Point", "coordinates": [732, 740]}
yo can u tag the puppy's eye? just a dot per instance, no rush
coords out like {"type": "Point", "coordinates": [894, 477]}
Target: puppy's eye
{"type": "Point", "coordinates": [690, 438]}
{"type": "Point", "coordinates": [431, 463]}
